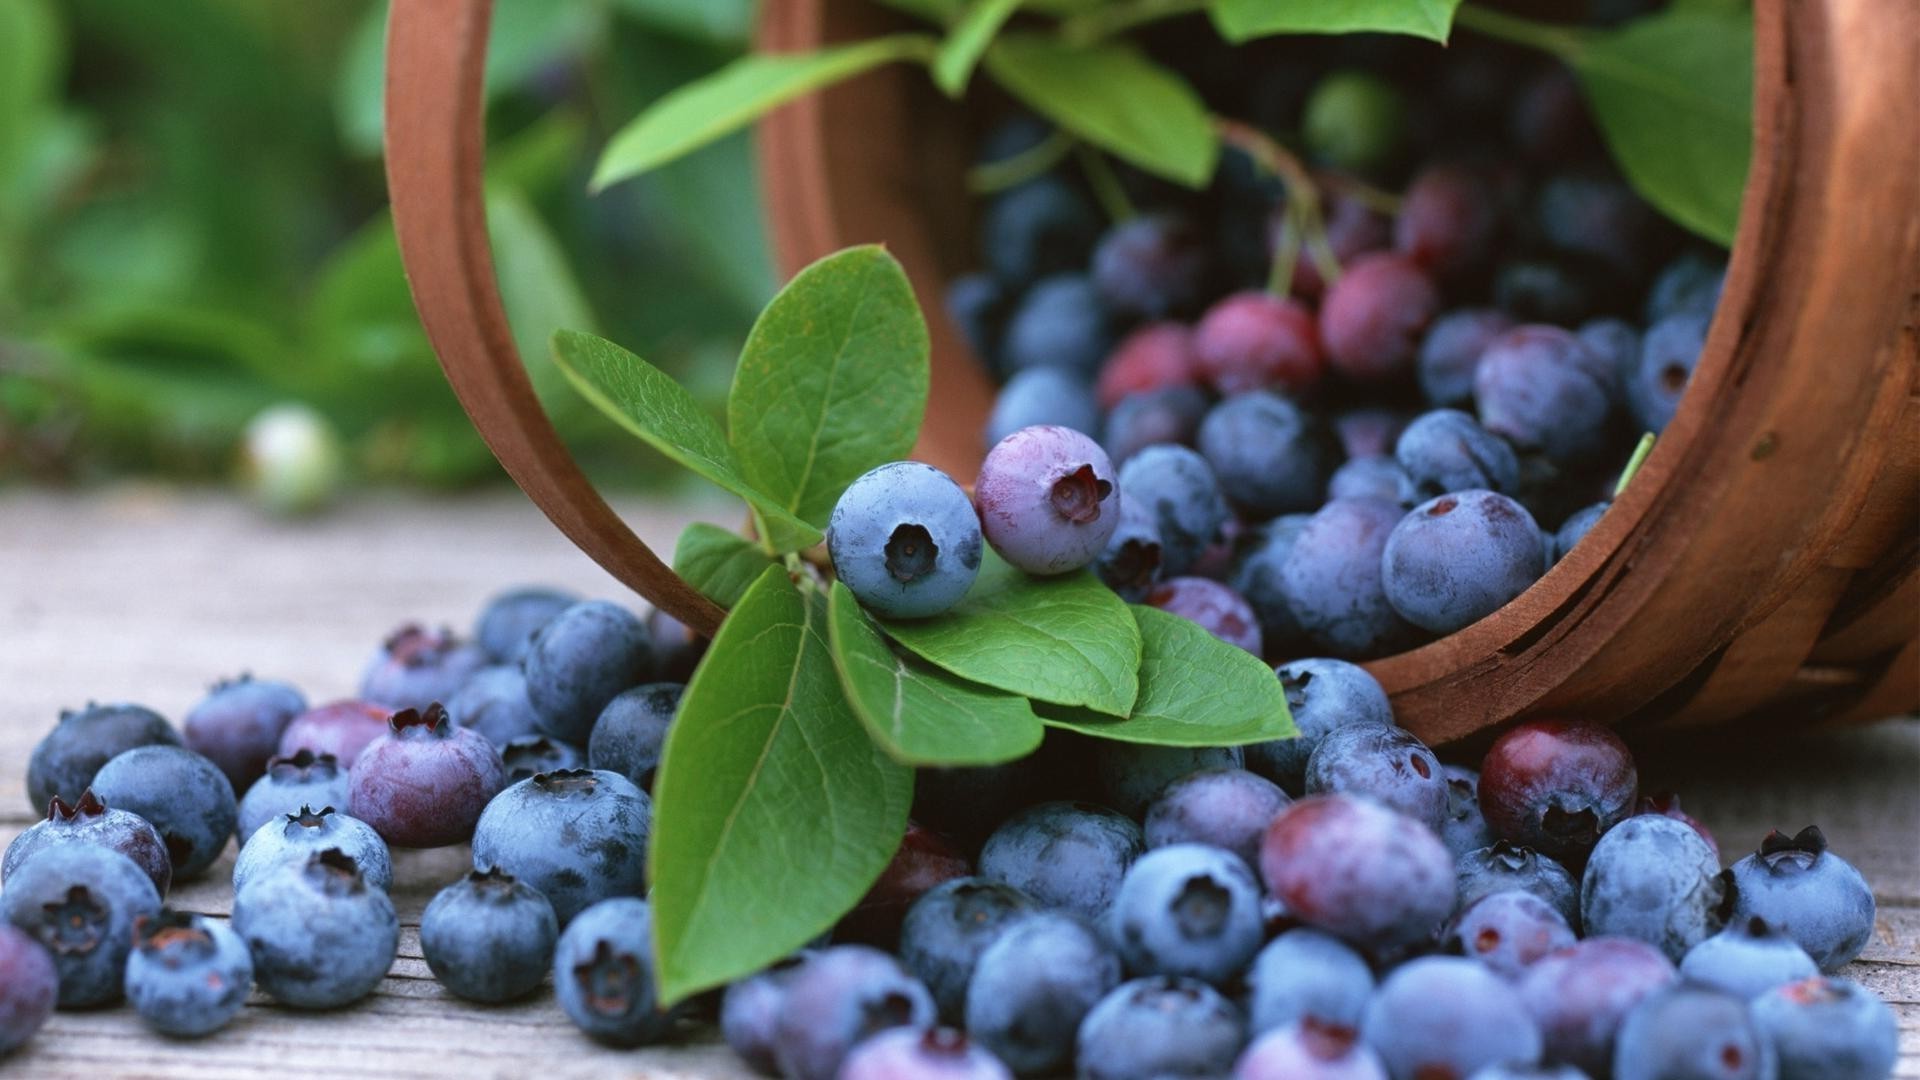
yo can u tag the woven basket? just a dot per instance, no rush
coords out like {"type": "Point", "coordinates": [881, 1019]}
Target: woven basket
{"type": "Point", "coordinates": [1765, 562]}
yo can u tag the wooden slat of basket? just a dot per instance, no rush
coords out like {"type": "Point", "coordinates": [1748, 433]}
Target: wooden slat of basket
{"type": "Point", "coordinates": [1895, 691]}
{"type": "Point", "coordinates": [1763, 659]}
{"type": "Point", "coordinates": [1887, 614]}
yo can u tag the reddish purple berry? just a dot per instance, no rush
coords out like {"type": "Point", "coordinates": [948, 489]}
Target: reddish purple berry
{"type": "Point", "coordinates": [1508, 931]}
{"type": "Point", "coordinates": [1254, 340]}
{"type": "Point", "coordinates": [28, 990]}
{"type": "Point", "coordinates": [1580, 994]}
{"type": "Point", "coordinates": [1217, 609]}
{"type": "Point", "coordinates": [340, 728]}
{"type": "Point", "coordinates": [90, 821]}
{"type": "Point", "coordinates": [238, 725]}
{"type": "Point", "coordinates": [922, 862]}
{"type": "Point", "coordinates": [425, 782]}
{"type": "Point", "coordinates": [1309, 1050]}
{"type": "Point", "coordinates": [1373, 317]}
{"type": "Point", "coordinates": [1449, 219]}
{"type": "Point", "coordinates": [1047, 499]}
{"type": "Point", "coordinates": [416, 667]}
{"type": "Point", "coordinates": [1358, 870]}
{"type": "Point", "coordinates": [1154, 357]}
{"type": "Point", "coordinates": [1556, 785]}
{"type": "Point", "coordinates": [1223, 807]}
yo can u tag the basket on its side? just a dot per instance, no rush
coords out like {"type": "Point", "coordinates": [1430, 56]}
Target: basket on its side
{"type": "Point", "coordinates": [1765, 560]}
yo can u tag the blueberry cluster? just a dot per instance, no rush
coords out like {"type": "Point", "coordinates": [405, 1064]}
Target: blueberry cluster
{"type": "Point", "coordinates": [1367, 404]}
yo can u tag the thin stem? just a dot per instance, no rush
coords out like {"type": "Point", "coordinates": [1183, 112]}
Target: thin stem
{"type": "Point", "coordinates": [1557, 40]}
{"type": "Point", "coordinates": [1034, 161]}
{"type": "Point", "coordinates": [1303, 201]}
{"type": "Point", "coordinates": [1639, 458]}
{"type": "Point", "coordinates": [1286, 253]}
{"type": "Point", "coordinates": [1110, 19]}
{"type": "Point", "coordinates": [1358, 190]}
{"type": "Point", "coordinates": [1106, 186]}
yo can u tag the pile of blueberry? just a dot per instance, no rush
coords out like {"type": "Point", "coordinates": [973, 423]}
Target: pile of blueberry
{"type": "Point", "coordinates": [1385, 433]}
{"type": "Point", "coordinates": [1340, 905]}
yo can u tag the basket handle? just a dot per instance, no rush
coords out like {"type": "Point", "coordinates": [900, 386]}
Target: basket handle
{"type": "Point", "coordinates": [435, 144]}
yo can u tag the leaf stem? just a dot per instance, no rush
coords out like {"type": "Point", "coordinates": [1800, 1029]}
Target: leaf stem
{"type": "Point", "coordinates": [1558, 40]}
{"type": "Point", "coordinates": [1303, 218]}
{"type": "Point", "coordinates": [1105, 183]}
{"type": "Point", "coordinates": [1639, 458]}
{"type": "Point", "coordinates": [1035, 160]}
{"type": "Point", "coordinates": [1107, 20]}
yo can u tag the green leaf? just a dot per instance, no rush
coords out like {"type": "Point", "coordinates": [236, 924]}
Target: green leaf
{"type": "Point", "coordinates": [1673, 94]}
{"type": "Point", "coordinates": [920, 714]}
{"type": "Point", "coordinates": [1114, 97]}
{"type": "Point", "coordinates": [32, 56]}
{"type": "Point", "coordinates": [1066, 639]}
{"type": "Point", "coordinates": [968, 41]}
{"type": "Point", "coordinates": [773, 811]}
{"type": "Point", "coordinates": [646, 401]}
{"type": "Point", "coordinates": [735, 96]}
{"type": "Point", "coordinates": [943, 12]}
{"type": "Point", "coordinates": [1243, 20]}
{"type": "Point", "coordinates": [718, 563]}
{"type": "Point", "coordinates": [1195, 690]}
{"type": "Point", "coordinates": [832, 382]}
{"type": "Point", "coordinates": [537, 284]}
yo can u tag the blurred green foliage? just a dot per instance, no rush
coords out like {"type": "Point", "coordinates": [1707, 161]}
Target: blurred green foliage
{"type": "Point", "coordinates": [193, 227]}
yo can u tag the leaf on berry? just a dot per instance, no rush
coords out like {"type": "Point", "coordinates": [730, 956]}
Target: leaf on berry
{"type": "Point", "coordinates": [1066, 639]}
{"type": "Point", "coordinates": [1244, 20]}
{"type": "Point", "coordinates": [832, 382]}
{"type": "Point", "coordinates": [737, 95]}
{"type": "Point", "coordinates": [773, 811]}
{"type": "Point", "coordinates": [646, 401]}
{"type": "Point", "coordinates": [918, 713]}
{"type": "Point", "coordinates": [1111, 95]}
{"type": "Point", "coordinates": [1195, 690]}
{"type": "Point", "coordinates": [720, 564]}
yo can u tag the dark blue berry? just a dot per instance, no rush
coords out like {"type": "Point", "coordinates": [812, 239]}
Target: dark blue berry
{"type": "Point", "coordinates": [1225, 808]}
{"type": "Point", "coordinates": [1692, 1033]}
{"type": "Point", "coordinates": [80, 901]}
{"type": "Point", "coordinates": [977, 305]}
{"type": "Point", "coordinates": [1580, 994]}
{"type": "Point", "coordinates": [296, 837]}
{"type": "Point", "coordinates": [1465, 829]}
{"type": "Point", "coordinates": [321, 935]}
{"type": "Point", "coordinates": [1160, 1026]}
{"type": "Point", "coordinates": [1256, 577]}
{"type": "Point", "coordinates": [1178, 485]}
{"type": "Point", "coordinates": [1377, 477]}
{"type": "Point", "coordinates": [1563, 289]}
{"type": "Point", "coordinates": [1668, 354]}
{"type": "Point", "coordinates": [1385, 763]}
{"type": "Point", "coordinates": [1060, 322]}
{"type": "Point", "coordinates": [1352, 867]}
{"type": "Point", "coordinates": [1188, 909]}
{"type": "Point", "coordinates": [1130, 776]}
{"type": "Point", "coordinates": [304, 779]}
{"type": "Point", "coordinates": [494, 703]}
{"type": "Point", "coordinates": [603, 974]}
{"type": "Point", "coordinates": [1445, 1016]}
{"type": "Point", "coordinates": [579, 660]}
{"type": "Point", "coordinates": [947, 929]}
{"type": "Point", "coordinates": [677, 650]}
{"type": "Point", "coordinates": [905, 540]}
{"type": "Point", "coordinates": [507, 624]}
{"type": "Point", "coordinates": [1047, 500]}
{"type": "Point", "coordinates": [1039, 228]}
{"type": "Point", "coordinates": [1828, 1029]}
{"type": "Point", "coordinates": [1504, 866]}
{"type": "Point", "coordinates": [1070, 856]}
{"type": "Point", "coordinates": [1130, 565]}
{"type": "Point", "coordinates": [1508, 931]}
{"type": "Point", "coordinates": [1807, 893]}
{"type": "Point", "coordinates": [1169, 415]}
{"type": "Point", "coordinates": [1688, 284]}
{"type": "Point", "coordinates": [1617, 343]}
{"type": "Point", "coordinates": [1450, 354]}
{"type": "Point", "coordinates": [1308, 975]}
{"type": "Point", "coordinates": [838, 998]}
{"type": "Point", "coordinates": [1043, 395]}
{"type": "Point", "coordinates": [64, 762]}
{"type": "Point", "coordinates": [1576, 527]}
{"type": "Point", "coordinates": [578, 836]}
{"type": "Point", "coordinates": [750, 1013]}
{"type": "Point", "coordinates": [1596, 217]}
{"type": "Point", "coordinates": [91, 821]}
{"type": "Point", "coordinates": [530, 755]}
{"type": "Point", "coordinates": [1653, 879]}
{"type": "Point", "coordinates": [1322, 694]}
{"type": "Point", "coordinates": [28, 992]}
{"type": "Point", "coordinates": [185, 796]}
{"type": "Point", "coordinates": [416, 667]}
{"type": "Point", "coordinates": [1447, 450]}
{"type": "Point", "coordinates": [632, 731]}
{"type": "Point", "coordinates": [1032, 988]}
{"type": "Point", "coordinates": [1747, 959]}
{"type": "Point", "coordinates": [237, 725]}
{"type": "Point", "coordinates": [489, 937]}
{"type": "Point", "coordinates": [1333, 582]}
{"type": "Point", "coordinates": [1544, 389]}
{"type": "Point", "coordinates": [188, 975]}
{"type": "Point", "coordinates": [1268, 454]}
{"type": "Point", "coordinates": [1152, 266]}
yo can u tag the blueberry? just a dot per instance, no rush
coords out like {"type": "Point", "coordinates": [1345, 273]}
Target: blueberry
{"type": "Point", "coordinates": [577, 836]}
{"type": "Point", "coordinates": [237, 725]}
{"type": "Point", "coordinates": [1465, 829]}
{"type": "Point", "coordinates": [64, 762]}
{"type": "Point", "coordinates": [577, 662]}
{"type": "Point", "coordinates": [1747, 959]}
{"type": "Point", "coordinates": [603, 974]}
{"type": "Point", "coordinates": [1508, 931]}
{"type": "Point", "coordinates": [1171, 415]}
{"type": "Point", "coordinates": [1369, 431]}
{"type": "Point", "coordinates": [1543, 388]}
{"type": "Point", "coordinates": [1061, 322]}
{"type": "Point", "coordinates": [750, 1012]}
{"type": "Point", "coordinates": [1376, 477]}
{"type": "Point", "coordinates": [425, 782]}
{"type": "Point", "coordinates": [1449, 219]}
{"type": "Point", "coordinates": [1828, 1029]}
{"type": "Point", "coordinates": [1445, 1016]}
{"type": "Point", "coordinates": [947, 929]}
{"type": "Point", "coordinates": [1807, 893]}
{"type": "Point", "coordinates": [923, 862]}
{"type": "Point", "coordinates": [494, 703]}
{"type": "Point", "coordinates": [905, 540]}
{"type": "Point", "coordinates": [1306, 975]}
{"type": "Point", "coordinates": [1322, 694]}
{"type": "Point", "coordinates": [321, 935]}
{"type": "Point", "coordinates": [1130, 776]}
{"type": "Point", "coordinates": [632, 731]}
{"type": "Point", "coordinates": [188, 975]}
{"type": "Point", "coordinates": [28, 992]}
{"type": "Point", "coordinates": [1688, 284]}
{"type": "Point", "coordinates": [1184, 495]}
{"type": "Point", "coordinates": [1268, 454]}
{"type": "Point", "coordinates": [965, 803]}
{"type": "Point", "coordinates": [1130, 565]}
{"type": "Point", "coordinates": [677, 650]}
{"type": "Point", "coordinates": [1446, 450]}
{"type": "Point", "coordinates": [1576, 527]}
{"type": "Point", "coordinates": [1212, 606]}
{"type": "Point", "coordinates": [1504, 866]}
{"type": "Point", "coordinates": [1188, 909]}
{"type": "Point", "coordinates": [1692, 1033]}
{"type": "Point", "coordinates": [1225, 808]}
{"type": "Point", "coordinates": [977, 305]}
{"type": "Point", "coordinates": [489, 937]}
{"type": "Point", "coordinates": [1668, 354]}
{"type": "Point", "coordinates": [1032, 987]}
{"type": "Point", "coordinates": [340, 728]}
{"type": "Point", "coordinates": [1557, 785]}
{"type": "Point", "coordinates": [1354, 120]}
{"type": "Point", "coordinates": [838, 998]}
{"type": "Point", "coordinates": [1384, 763]}
{"type": "Point", "coordinates": [304, 779]}
{"type": "Point", "coordinates": [1667, 804]}
{"type": "Point", "coordinates": [1043, 395]}
{"type": "Point", "coordinates": [1653, 879]}
{"type": "Point", "coordinates": [1041, 227]}
{"type": "Point", "coordinates": [1549, 121]}
{"type": "Point", "coordinates": [1047, 500]}
{"type": "Point", "coordinates": [1152, 266]}
{"type": "Point", "coordinates": [91, 821]}
{"type": "Point", "coordinates": [1354, 868]}
{"type": "Point", "coordinates": [1580, 994]}
{"type": "Point", "coordinates": [1333, 583]}
{"type": "Point", "coordinates": [296, 837]}
{"type": "Point", "coordinates": [1529, 1072]}
{"type": "Point", "coordinates": [1310, 1050]}
{"type": "Point", "coordinates": [1160, 1026]}
{"type": "Point", "coordinates": [934, 1054]}
{"type": "Point", "coordinates": [1372, 320]}
{"type": "Point", "coordinates": [507, 624]}
{"type": "Point", "coordinates": [1617, 343]}
{"type": "Point", "coordinates": [531, 755]}
{"type": "Point", "coordinates": [1561, 289]}
{"type": "Point", "coordinates": [1253, 340]}
{"type": "Point", "coordinates": [416, 667]}
{"type": "Point", "coordinates": [80, 902]}
{"type": "Point", "coordinates": [1070, 856]}
{"type": "Point", "coordinates": [1597, 217]}
{"type": "Point", "coordinates": [1256, 577]}
{"type": "Point", "coordinates": [185, 796]}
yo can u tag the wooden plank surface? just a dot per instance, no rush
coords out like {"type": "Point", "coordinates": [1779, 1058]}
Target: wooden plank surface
{"type": "Point", "coordinates": [145, 595]}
